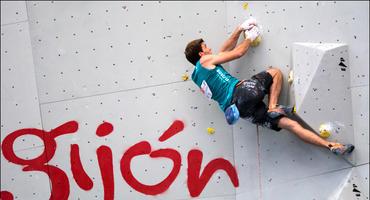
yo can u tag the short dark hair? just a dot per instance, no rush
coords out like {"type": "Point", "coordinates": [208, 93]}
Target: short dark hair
{"type": "Point", "coordinates": [192, 51]}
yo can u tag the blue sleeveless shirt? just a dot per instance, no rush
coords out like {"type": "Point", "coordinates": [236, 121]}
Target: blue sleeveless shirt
{"type": "Point", "coordinates": [216, 84]}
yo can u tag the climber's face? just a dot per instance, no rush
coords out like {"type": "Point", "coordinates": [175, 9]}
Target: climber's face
{"type": "Point", "coordinates": [205, 50]}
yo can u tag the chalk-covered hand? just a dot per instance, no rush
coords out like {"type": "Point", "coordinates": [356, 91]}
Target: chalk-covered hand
{"type": "Point", "coordinates": [248, 24]}
{"type": "Point", "coordinates": [253, 33]}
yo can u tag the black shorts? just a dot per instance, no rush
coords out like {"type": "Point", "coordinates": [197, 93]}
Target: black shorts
{"type": "Point", "coordinates": [248, 98]}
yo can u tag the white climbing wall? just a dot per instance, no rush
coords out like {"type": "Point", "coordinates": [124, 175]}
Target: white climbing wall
{"type": "Point", "coordinates": [286, 167]}
{"type": "Point", "coordinates": [115, 45]}
{"type": "Point", "coordinates": [122, 63]}
{"type": "Point", "coordinates": [321, 87]}
{"type": "Point", "coordinates": [19, 102]}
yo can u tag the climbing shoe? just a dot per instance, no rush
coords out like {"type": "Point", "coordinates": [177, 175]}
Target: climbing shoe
{"type": "Point", "coordinates": [339, 149]}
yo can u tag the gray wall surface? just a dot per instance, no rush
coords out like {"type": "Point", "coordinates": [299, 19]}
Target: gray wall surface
{"type": "Point", "coordinates": [123, 62]}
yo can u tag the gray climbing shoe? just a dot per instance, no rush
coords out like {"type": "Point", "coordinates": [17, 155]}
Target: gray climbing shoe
{"type": "Point", "coordinates": [339, 149]}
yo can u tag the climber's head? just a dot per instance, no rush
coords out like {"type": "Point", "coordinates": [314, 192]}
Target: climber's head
{"type": "Point", "coordinates": [195, 50]}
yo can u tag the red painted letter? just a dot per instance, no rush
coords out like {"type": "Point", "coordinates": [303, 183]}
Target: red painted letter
{"type": "Point", "coordinates": [106, 169]}
{"type": "Point", "coordinates": [143, 148]}
{"type": "Point", "coordinates": [196, 182]}
{"type": "Point", "coordinates": [175, 127]}
{"type": "Point", "coordinates": [58, 178]}
{"type": "Point", "coordinates": [5, 195]}
{"type": "Point", "coordinates": [78, 172]}
{"type": "Point", "coordinates": [104, 129]}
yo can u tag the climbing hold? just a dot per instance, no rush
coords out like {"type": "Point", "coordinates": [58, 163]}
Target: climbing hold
{"type": "Point", "coordinates": [256, 42]}
{"type": "Point", "coordinates": [210, 130]}
{"type": "Point", "coordinates": [325, 130]}
{"type": "Point", "coordinates": [290, 77]}
{"type": "Point", "coordinates": [185, 77]}
{"type": "Point", "coordinates": [245, 6]}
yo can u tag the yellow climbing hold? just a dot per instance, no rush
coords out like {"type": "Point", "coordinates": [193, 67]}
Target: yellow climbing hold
{"type": "Point", "coordinates": [290, 77]}
{"type": "Point", "coordinates": [294, 109]}
{"type": "Point", "coordinates": [245, 6]}
{"type": "Point", "coordinates": [210, 130]}
{"type": "Point", "coordinates": [325, 130]}
{"type": "Point", "coordinates": [256, 42]}
{"type": "Point", "coordinates": [185, 77]}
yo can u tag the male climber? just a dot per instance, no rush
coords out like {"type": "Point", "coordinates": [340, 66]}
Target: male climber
{"type": "Point", "coordinates": [247, 95]}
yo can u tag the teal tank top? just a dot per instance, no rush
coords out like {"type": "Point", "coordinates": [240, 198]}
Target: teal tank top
{"type": "Point", "coordinates": [216, 84]}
